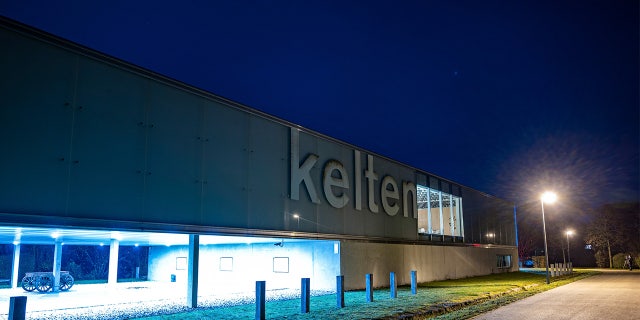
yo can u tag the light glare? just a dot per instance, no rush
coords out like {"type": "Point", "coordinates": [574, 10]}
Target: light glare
{"type": "Point", "coordinates": [549, 197]}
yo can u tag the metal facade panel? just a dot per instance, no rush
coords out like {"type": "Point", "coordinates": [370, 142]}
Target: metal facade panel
{"type": "Point", "coordinates": [267, 174]}
{"type": "Point", "coordinates": [401, 226]}
{"type": "Point", "coordinates": [174, 156]}
{"type": "Point", "coordinates": [485, 214]}
{"type": "Point", "coordinates": [331, 219]}
{"type": "Point", "coordinates": [225, 164]}
{"type": "Point", "coordinates": [36, 90]}
{"type": "Point", "coordinates": [108, 159]}
{"type": "Point", "coordinates": [304, 207]}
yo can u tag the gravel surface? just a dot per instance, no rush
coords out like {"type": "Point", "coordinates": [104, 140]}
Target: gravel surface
{"type": "Point", "coordinates": [160, 306]}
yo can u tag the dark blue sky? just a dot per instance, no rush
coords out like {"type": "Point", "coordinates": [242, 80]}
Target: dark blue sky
{"type": "Point", "coordinates": [508, 97]}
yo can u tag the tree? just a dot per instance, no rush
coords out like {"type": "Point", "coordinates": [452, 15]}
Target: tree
{"type": "Point", "coordinates": [613, 230]}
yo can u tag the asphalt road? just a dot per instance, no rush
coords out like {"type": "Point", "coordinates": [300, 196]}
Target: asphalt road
{"type": "Point", "coordinates": [611, 295]}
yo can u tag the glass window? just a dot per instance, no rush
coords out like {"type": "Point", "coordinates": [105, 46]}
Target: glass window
{"type": "Point", "coordinates": [281, 264]}
{"type": "Point", "coordinates": [226, 263]}
{"type": "Point", "coordinates": [504, 261]}
{"type": "Point", "coordinates": [423, 209]}
{"type": "Point", "coordinates": [456, 213]}
{"type": "Point", "coordinates": [447, 215]}
{"type": "Point", "coordinates": [439, 212]}
{"type": "Point", "coordinates": [436, 212]}
{"type": "Point", "coordinates": [181, 263]}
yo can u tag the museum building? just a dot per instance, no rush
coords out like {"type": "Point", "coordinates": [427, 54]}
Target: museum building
{"type": "Point", "coordinates": [97, 151]}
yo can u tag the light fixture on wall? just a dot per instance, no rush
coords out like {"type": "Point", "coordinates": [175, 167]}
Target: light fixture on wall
{"type": "Point", "coordinates": [297, 216]}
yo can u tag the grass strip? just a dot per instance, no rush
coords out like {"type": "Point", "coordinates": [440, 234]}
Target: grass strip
{"type": "Point", "coordinates": [449, 299]}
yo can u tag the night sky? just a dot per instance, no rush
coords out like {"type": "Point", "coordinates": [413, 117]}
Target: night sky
{"type": "Point", "coordinates": [509, 97]}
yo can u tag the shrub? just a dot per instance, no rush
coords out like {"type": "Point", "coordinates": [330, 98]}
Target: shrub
{"type": "Point", "coordinates": [602, 259]}
{"type": "Point", "coordinates": [618, 260]}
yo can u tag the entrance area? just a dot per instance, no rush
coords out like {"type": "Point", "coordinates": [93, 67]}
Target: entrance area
{"type": "Point", "coordinates": [142, 268]}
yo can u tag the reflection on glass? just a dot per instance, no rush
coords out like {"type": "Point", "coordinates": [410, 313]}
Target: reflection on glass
{"type": "Point", "coordinates": [439, 213]}
{"type": "Point", "coordinates": [436, 212]}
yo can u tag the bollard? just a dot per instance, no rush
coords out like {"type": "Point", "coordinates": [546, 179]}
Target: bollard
{"type": "Point", "coordinates": [340, 291]}
{"type": "Point", "coordinates": [369, 287]}
{"type": "Point", "coordinates": [393, 287]}
{"type": "Point", "coordinates": [17, 308]}
{"type": "Point", "coordinates": [305, 294]}
{"type": "Point", "coordinates": [260, 300]}
{"type": "Point", "coordinates": [414, 282]}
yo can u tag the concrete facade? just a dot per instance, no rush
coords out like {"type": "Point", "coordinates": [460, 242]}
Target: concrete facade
{"type": "Point", "coordinates": [431, 262]}
{"type": "Point", "coordinates": [236, 267]}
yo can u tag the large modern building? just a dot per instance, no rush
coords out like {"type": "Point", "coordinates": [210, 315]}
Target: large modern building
{"type": "Point", "coordinates": [97, 151]}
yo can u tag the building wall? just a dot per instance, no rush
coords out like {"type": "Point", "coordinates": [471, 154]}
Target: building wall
{"type": "Point", "coordinates": [97, 142]}
{"type": "Point", "coordinates": [318, 260]}
{"type": "Point", "coordinates": [431, 262]}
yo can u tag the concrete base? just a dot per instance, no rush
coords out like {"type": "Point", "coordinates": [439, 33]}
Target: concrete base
{"type": "Point", "coordinates": [431, 262]}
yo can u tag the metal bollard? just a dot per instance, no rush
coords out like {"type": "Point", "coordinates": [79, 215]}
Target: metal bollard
{"type": "Point", "coordinates": [369, 277]}
{"type": "Point", "coordinates": [414, 282]}
{"type": "Point", "coordinates": [340, 291]}
{"type": "Point", "coordinates": [305, 294]}
{"type": "Point", "coordinates": [393, 286]}
{"type": "Point", "coordinates": [260, 300]}
{"type": "Point", "coordinates": [17, 308]}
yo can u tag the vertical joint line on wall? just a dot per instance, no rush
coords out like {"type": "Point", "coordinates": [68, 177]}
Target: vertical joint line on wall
{"type": "Point", "coordinates": [74, 102]}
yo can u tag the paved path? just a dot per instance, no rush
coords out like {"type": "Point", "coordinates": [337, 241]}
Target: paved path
{"type": "Point", "coordinates": [611, 295]}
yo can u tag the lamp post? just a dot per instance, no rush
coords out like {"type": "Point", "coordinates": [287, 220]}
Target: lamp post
{"type": "Point", "coordinates": [569, 232]}
{"type": "Point", "coordinates": [548, 197]}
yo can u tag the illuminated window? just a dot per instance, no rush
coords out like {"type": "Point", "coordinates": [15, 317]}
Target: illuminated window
{"type": "Point", "coordinates": [504, 261]}
{"type": "Point", "coordinates": [281, 264]}
{"type": "Point", "coordinates": [439, 213]}
{"type": "Point", "coordinates": [181, 263]}
{"type": "Point", "coordinates": [226, 263]}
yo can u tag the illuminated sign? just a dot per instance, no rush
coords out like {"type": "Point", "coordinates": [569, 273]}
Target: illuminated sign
{"type": "Point", "coordinates": [336, 186]}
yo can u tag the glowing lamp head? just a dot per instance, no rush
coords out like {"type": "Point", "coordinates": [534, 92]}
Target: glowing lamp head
{"type": "Point", "coordinates": [296, 216]}
{"type": "Point", "coordinates": [569, 232]}
{"type": "Point", "coordinates": [549, 197]}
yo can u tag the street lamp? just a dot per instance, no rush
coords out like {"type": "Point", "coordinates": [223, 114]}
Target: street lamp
{"type": "Point", "coordinates": [569, 232]}
{"type": "Point", "coordinates": [548, 197]}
